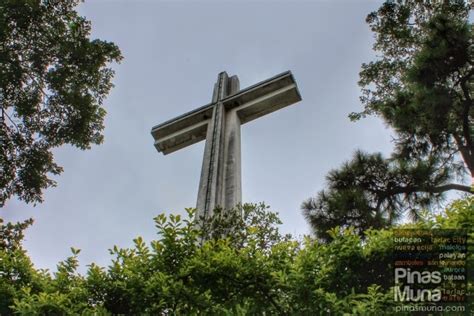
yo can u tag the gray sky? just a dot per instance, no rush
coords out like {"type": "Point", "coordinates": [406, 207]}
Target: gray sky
{"type": "Point", "coordinates": [173, 52]}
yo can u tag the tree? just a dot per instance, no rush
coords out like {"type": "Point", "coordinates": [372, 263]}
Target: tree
{"type": "Point", "coordinates": [421, 86]}
{"type": "Point", "coordinates": [53, 81]}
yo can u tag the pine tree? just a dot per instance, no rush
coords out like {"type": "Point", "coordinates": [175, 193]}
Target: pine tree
{"type": "Point", "coordinates": [421, 87]}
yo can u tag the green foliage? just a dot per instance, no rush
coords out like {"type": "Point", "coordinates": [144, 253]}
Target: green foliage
{"type": "Point", "coordinates": [16, 270]}
{"type": "Point", "coordinates": [190, 271]}
{"type": "Point", "coordinates": [246, 223]}
{"type": "Point", "coordinates": [421, 86]}
{"type": "Point", "coordinates": [53, 81]}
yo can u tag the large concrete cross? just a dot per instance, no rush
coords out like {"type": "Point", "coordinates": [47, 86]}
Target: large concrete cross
{"type": "Point", "coordinates": [219, 123]}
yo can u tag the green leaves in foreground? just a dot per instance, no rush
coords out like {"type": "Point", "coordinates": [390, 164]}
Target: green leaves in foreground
{"type": "Point", "coordinates": [245, 268]}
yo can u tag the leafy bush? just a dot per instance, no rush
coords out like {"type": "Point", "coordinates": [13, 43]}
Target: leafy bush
{"type": "Point", "coordinates": [237, 264]}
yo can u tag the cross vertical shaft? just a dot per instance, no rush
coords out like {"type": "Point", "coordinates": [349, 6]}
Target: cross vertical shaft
{"type": "Point", "coordinates": [220, 183]}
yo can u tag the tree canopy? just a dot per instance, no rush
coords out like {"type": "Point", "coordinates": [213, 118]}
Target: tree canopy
{"type": "Point", "coordinates": [53, 81]}
{"type": "Point", "coordinates": [421, 86]}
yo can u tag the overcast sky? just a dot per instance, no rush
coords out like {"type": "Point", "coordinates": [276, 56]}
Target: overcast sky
{"type": "Point", "coordinates": [173, 52]}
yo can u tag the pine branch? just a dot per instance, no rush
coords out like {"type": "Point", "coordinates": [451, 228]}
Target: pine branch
{"type": "Point", "coordinates": [465, 113]}
{"type": "Point", "coordinates": [465, 153]}
{"type": "Point", "coordinates": [438, 189]}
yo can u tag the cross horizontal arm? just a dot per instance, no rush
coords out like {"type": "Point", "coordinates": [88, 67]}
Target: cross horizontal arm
{"type": "Point", "coordinates": [255, 101]}
{"type": "Point", "coordinates": [264, 97]}
{"type": "Point", "coordinates": [183, 130]}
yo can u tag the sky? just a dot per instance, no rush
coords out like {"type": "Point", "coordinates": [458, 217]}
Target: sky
{"type": "Point", "coordinates": [173, 52]}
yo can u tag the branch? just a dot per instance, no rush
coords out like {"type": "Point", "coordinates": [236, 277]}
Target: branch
{"type": "Point", "coordinates": [9, 118]}
{"type": "Point", "coordinates": [465, 113]}
{"type": "Point", "coordinates": [466, 76]}
{"type": "Point", "coordinates": [466, 156]}
{"type": "Point", "coordinates": [467, 150]}
{"type": "Point", "coordinates": [439, 189]}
